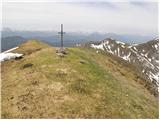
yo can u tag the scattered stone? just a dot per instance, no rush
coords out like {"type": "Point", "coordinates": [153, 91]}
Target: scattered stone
{"type": "Point", "coordinates": [35, 83]}
{"type": "Point", "coordinates": [27, 65]}
{"type": "Point", "coordinates": [61, 71]}
{"type": "Point", "coordinates": [18, 58]}
{"type": "Point", "coordinates": [30, 51]}
{"type": "Point", "coordinates": [12, 97]}
{"type": "Point", "coordinates": [24, 108]}
{"type": "Point", "coordinates": [61, 52]}
{"type": "Point", "coordinates": [82, 62]}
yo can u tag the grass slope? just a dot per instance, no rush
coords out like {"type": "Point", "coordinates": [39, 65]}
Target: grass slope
{"type": "Point", "coordinates": [83, 84]}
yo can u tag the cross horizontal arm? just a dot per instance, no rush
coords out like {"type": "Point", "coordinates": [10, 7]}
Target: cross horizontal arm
{"type": "Point", "coordinates": [61, 32]}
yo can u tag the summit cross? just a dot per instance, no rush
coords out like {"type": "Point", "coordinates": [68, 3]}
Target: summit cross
{"type": "Point", "coordinates": [61, 33]}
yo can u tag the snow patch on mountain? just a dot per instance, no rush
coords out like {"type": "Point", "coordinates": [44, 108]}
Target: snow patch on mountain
{"type": "Point", "coordinates": [97, 46]}
{"type": "Point", "coordinates": [119, 42]}
{"type": "Point", "coordinates": [143, 55]}
{"type": "Point", "coordinates": [7, 55]}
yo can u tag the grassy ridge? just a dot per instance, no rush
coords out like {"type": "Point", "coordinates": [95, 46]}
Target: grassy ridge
{"type": "Point", "coordinates": [83, 84]}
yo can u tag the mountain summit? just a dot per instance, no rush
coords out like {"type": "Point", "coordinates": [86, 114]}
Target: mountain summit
{"type": "Point", "coordinates": [83, 83]}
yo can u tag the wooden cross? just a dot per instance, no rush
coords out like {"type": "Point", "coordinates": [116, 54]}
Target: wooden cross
{"type": "Point", "coordinates": [61, 35]}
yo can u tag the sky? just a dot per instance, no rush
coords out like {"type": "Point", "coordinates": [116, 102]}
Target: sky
{"type": "Point", "coordinates": [118, 16]}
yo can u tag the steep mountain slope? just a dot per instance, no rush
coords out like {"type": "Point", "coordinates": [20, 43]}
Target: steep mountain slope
{"type": "Point", "coordinates": [82, 84]}
{"type": "Point", "coordinates": [144, 56]}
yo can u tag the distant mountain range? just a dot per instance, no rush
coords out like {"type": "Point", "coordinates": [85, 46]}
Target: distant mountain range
{"type": "Point", "coordinates": [72, 38]}
{"type": "Point", "coordinates": [10, 42]}
{"type": "Point", "coordinates": [144, 56]}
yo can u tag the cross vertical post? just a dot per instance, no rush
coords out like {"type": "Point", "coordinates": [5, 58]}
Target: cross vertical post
{"type": "Point", "coordinates": [61, 36]}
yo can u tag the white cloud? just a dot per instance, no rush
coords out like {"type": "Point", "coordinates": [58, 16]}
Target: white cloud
{"type": "Point", "coordinates": [101, 16]}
